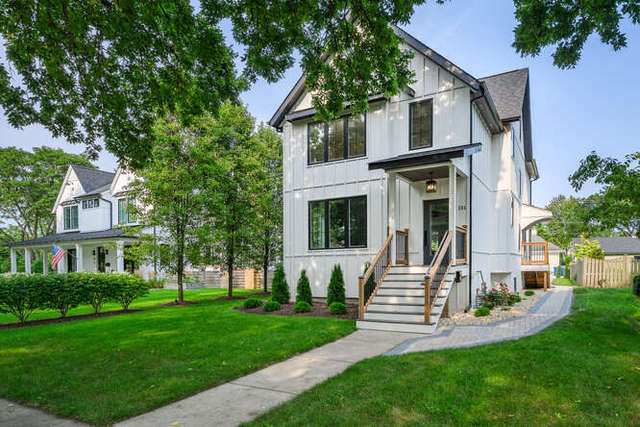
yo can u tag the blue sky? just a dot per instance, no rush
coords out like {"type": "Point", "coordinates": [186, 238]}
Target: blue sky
{"type": "Point", "coordinates": [592, 107]}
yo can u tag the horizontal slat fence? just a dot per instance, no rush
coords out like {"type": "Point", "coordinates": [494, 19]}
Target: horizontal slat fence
{"type": "Point", "coordinates": [242, 279]}
{"type": "Point", "coordinates": [606, 273]}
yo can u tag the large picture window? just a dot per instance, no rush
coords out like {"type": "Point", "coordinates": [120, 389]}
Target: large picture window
{"type": "Point", "coordinates": [338, 223]}
{"type": "Point", "coordinates": [421, 124]}
{"type": "Point", "coordinates": [343, 138]}
{"type": "Point", "coordinates": [70, 217]}
{"type": "Point", "coordinates": [125, 210]}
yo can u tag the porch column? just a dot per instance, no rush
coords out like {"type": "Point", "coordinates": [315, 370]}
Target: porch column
{"type": "Point", "coordinates": [14, 260]}
{"type": "Point", "coordinates": [27, 260]}
{"type": "Point", "coordinates": [45, 264]}
{"type": "Point", "coordinates": [79, 258]}
{"type": "Point", "coordinates": [453, 210]}
{"type": "Point", "coordinates": [120, 256]}
{"type": "Point", "coordinates": [391, 211]}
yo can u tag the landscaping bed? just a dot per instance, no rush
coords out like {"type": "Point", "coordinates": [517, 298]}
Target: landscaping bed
{"type": "Point", "coordinates": [65, 319]}
{"type": "Point", "coordinates": [318, 309]}
{"type": "Point", "coordinates": [497, 313]}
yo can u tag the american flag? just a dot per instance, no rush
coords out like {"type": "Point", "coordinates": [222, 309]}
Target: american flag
{"type": "Point", "coordinates": [58, 253]}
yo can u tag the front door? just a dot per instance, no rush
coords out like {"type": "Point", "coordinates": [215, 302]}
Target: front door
{"type": "Point", "coordinates": [71, 261]}
{"type": "Point", "coordinates": [436, 225]}
{"type": "Point", "coordinates": [101, 259]}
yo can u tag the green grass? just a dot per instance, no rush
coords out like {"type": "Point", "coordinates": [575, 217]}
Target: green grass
{"type": "Point", "coordinates": [583, 370]}
{"type": "Point", "coordinates": [561, 281]}
{"type": "Point", "coordinates": [107, 369]}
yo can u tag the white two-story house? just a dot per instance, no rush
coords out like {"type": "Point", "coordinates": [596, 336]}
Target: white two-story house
{"type": "Point", "coordinates": [430, 189]}
{"type": "Point", "coordinates": [92, 214]}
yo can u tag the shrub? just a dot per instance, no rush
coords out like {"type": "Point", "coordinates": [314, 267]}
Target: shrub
{"type": "Point", "coordinates": [500, 295]}
{"type": "Point", "coordinates": [304, 289]}
{"type": "Point", "coordinates": [279, 286]}
{"type": "Point", "coordinates": [636, 285]}
{"type": "Point", "coordinates": [126, 288]}
{"type": "Point", "coordinates": [302, 307]}
{"type": "Point", "coordinates": [20, 295]}
{"type": "Point", "coordinates": [336, 286]}
{"type": "Point", "coordinates": [95, 289]}
{"type": "Point", "coordinates": [337, 308]}
{"type": "Point", "coordinates": [60, 293]}
{"type": "Point", "coordinates": [482, 311]}
{"type": "Point", "coordinates": [252, 303]}
{"type": "Point", "coordinates": [514, 298]}
{"type": "Point", "coordinates": [529, 293]}
{"type": "Point", "coordinates": [271, 306]}
{"type": "Point", "coordinates": [567, 272]}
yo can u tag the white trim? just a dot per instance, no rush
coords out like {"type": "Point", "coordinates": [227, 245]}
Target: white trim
{"type": "Point", "coordinates": [64, 184]}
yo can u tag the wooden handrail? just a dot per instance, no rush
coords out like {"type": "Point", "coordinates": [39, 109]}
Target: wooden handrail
{"type": "Point", "coordinates": [362, 304]}
{"type": "Point", "coordinates": [435, 265]}
{"type": "Point", "coordinates": [372, 267]}
{"type": "Point", "coordinates": [441, 251]}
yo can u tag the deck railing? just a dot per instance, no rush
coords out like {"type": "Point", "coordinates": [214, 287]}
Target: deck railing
{"type": "Point", "coordinates": [535, 253]}
{"type": "Point", "coordinates": [370, 281]}
{"type": "Point", "coordinates": [461, 244]}
{"type": "Point", "coordinates": [437, 273]}
{"type": "Point", "coordinates": [402, 246]}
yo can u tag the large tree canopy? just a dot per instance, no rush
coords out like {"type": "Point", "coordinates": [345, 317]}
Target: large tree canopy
{"type": "Point", "coordinates": [92, 70]}
{"type": "Point", "coordinates": [567, 24]}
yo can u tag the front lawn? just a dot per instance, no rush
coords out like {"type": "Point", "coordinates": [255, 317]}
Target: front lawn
{"type": "Point", "coordinates": [561, 281]}
{"type": "Point", "coordinates": [107, 369]}
{"type": "Point", "coordinates": [584, 370]}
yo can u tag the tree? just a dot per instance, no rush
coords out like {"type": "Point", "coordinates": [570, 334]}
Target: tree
{"type": "Point", "coordinates": [617, 204]}
{"type": "Point", "coordinates": [588, 248]}
{"type": "Point", "coordinates": [304, 289]}
{"type": "Point", "coordinates": [266, 246]}
{"type": "Point", "coordinates": [567, 25]}
{"type": "Point", "coordinates": [92, 70]}
{"type": "Point", "coordinates": [279, 287]}
{"type": "Point", "coordinates": [169, 199]}
{"type": "Point", "coordinates": [335, 292]}
{"type": "Point", "coordinates": [30, 182]}
{"type": "Point", "coordinates": [568, 222]}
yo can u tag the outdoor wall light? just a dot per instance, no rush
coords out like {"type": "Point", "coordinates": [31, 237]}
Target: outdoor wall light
{"type": "Point", "coordinates": [431, 186]}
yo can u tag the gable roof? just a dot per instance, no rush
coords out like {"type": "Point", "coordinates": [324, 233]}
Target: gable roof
{"type": "Point", "coordinates": [619, 245]}
{"type": "Point", "coordinates": [92, 179]}
{"type": "Point", "coordinates": [508, 92]}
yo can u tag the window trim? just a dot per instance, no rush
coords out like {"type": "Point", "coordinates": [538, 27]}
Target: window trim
{"type": "Point", "coordinates": [345, 139]}
{"type": "Point", "coordinates": [128, 200]}
{"type": "Point", "coordinates": [347, 230]}
{"type": "Point", "coordinates": [411, 104]}
{"type": "Point", "coordinates": [64, 221]}
{"type": "Point", "coordinates": [93, 200]}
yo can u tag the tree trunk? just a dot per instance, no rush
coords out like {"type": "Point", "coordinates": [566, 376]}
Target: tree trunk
{"type": "Point", "coordinates": [180, 269]}
{"type": "Point", "coordinates": [180, 290]}
{"type": "Point", "coordinates": [265, 265]}
{"type": "Point", "coordinates": [230, 279]}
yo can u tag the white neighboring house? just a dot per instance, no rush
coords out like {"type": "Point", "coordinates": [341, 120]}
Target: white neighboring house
{"type": "Point", "coordinates": [445, 167]}
{"type": "Point", "coordinates": [91, 217]}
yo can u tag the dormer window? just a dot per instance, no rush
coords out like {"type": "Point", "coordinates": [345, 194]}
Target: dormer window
{"type": "Point", "coordinates": [90, 204]}
{"type": "Point", "coordinates": [71, 217]}
{"type": "Point", "coordinates": [126, 214]}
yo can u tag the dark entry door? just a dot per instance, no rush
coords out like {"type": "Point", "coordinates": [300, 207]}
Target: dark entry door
{"type": "Point", "coordinates": [101, 259]}
{"type": "Point", "coordinates": [436, 224]}
{"type": "Point", "coordinates": [71, 260]}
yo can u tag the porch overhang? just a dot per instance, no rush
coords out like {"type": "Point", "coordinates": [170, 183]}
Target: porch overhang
{"type": "Point", "coordinates": [532, 215]}
{"type": "Point", "coordinates": [74, 236]}
{"type": "Point", "coordinates": [429, 157]}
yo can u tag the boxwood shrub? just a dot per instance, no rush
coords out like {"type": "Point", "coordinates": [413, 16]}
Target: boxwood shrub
{"type": "Point", "coordinates": [252, 303]}
{"type": "Point", "coordinates": [482, 311]}
{"type": "Point", "coordinates": [529, 293]}
{"type": "Point", "coordinates": [337, 308]}
{"type": "Point", "coordinates": [271, 306]}
{"type": "Point", "coordinates": [22, 294]}
{"type": "Point", "coordinates": [302, 307]}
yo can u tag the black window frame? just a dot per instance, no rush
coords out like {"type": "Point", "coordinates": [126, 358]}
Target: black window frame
{"type": "Point", "coordinates": [345, 140]}
{"type": "Point", "coordinates": [422, 101]}
{"type": "Point", "coordinates": [347, 230]}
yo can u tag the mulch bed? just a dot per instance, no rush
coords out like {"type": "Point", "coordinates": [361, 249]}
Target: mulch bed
{"type": "Point", "coordinates": [229, 298]}
{"type": "Point", "coordinates": [318, 309]}
{"type": "Point", "coordinates": [66, 319]}
{"type": "Point", "coordinates": [169, 304]}
{"type": "Point", "coordinates": [260, 294]}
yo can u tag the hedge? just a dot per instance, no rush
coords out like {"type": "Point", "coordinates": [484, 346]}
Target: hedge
{"type": "Point", "coordinates": [636, 285]}
{"type": "Point", "coordinates": [22, 294]}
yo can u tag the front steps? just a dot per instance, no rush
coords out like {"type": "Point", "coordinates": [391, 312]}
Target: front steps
{"type": "Point", "coordinates": [399, 303]}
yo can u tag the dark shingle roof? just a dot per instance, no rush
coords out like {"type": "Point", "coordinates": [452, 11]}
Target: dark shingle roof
{"type": "Point", "coordinates": [508, 92]}
{"type": "Point", "coordinates": [74, 236]}
{"type": "Point", "coordinates": [617, 245]}
{"type": "Point", "coordinates": [91, 179]}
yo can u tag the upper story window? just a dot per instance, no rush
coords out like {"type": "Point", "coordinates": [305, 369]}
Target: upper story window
{"type": "Point", "coordinates": [90, 204]}
{"type": "Point", "coordinates": [126, 214]}
{"type": "Point", "coordinates": [70, 214]}
{"type": "Point", "coordinates": [343, 138]}
{"type": "Point", "coordinates": [338, 223]}
{"type": "Point", "coordinates": [421, 124]}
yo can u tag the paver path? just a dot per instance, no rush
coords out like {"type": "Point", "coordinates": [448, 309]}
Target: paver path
{"type": "Point", "coordinates": [554, 305]}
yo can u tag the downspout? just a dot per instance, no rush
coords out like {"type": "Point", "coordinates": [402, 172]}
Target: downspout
{"type": "Point", "coordinates": [471, 202]}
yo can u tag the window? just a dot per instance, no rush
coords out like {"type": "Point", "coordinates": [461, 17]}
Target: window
{"type": "Point", "coordinates": [421, 124]}
{"type": "Point", "coordinates": [125, 212]}
{"type": "Point", "coordinates": [520, 184]}
{"type": "Point", "coordinates": [91, 203]}
{"type": "Point", "coordinates": [343, 138]}
{"type": "Point", "coordinates": [338, 223]}
{"type": "Point", "coordinates": [70, 217]}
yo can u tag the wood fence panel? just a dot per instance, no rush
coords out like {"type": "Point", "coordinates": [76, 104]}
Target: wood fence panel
{"type": "Point", "coordinates": [607, 273]}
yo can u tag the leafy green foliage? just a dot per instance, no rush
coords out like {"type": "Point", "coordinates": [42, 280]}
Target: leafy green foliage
{"type": "Point", "coordinates": [566, 25]}
{"type": "Point", "coordinates": [60, 292]}
{"type": "Point", "coordinates": [636, 285]}
{"type": "Point", "coordinates": [279, 286]}
{"type": "Point", "coordinates": [617, 204]}
{"type": "Point", "coordinates": [252, 303]}
{"type": "Point", "coordinates": [337, 308]}
{"type": "Point", "coordinates": [482, 311]}
{"type": "Point", "coordinates": [304, 289]}
{"type": "Point", "coordinates": [19, 295]}
{"type": "Point", "coordinates": [586, 248]}
{"type": "Point", "coordinates": [271, 306]}
{"type": "Point", "coordinates": [529, 293]}
{"type": "Point", "coordinates": [302, 307]}
{"type": "Point", "coordinates": [335, 292]}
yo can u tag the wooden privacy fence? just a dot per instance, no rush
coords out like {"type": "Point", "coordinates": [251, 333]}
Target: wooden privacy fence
{"type": "Point", "coordinates": [606, 273]}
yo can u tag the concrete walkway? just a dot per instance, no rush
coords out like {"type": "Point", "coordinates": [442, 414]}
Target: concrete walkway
{"type": "Point", "coordinates": [554, 305]}
{"type": "Point", "coordinates": [14, 415]}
